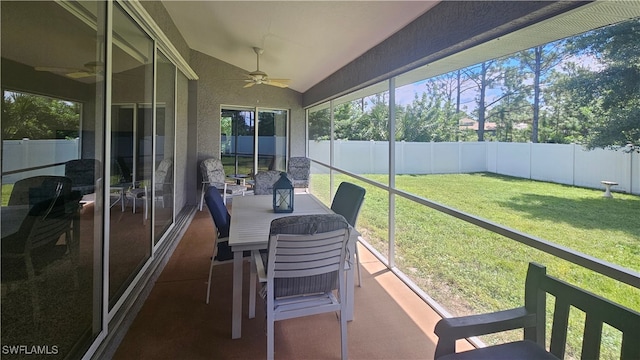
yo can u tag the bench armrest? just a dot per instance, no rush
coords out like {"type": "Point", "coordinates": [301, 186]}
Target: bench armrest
{"type": "Point", "coordinates": [451, 329]}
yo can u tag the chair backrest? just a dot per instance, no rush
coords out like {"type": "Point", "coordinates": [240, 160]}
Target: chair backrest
{"type": "Point", "coordinates": [82, 172]}
{"type": "Point", "coordinates": [120, 168]}
{"type": "Point", "coordinates": [212, 171]}
{"type": "Point", "coordinates": [347, 201]}
{"type": "Point", "coordinates": [306, 253]}
{"type": "Point", "coordinates": [218, 210]}
{"type": "Point", "coordinates": [48, 220]}
{"type": "Point", "coordinates": [264, 181]}
{"type": "Point", "coordinates": [597, 310]}
{"type": "Point", "coordinates": [299, 171]}
{"type": "Point", "coordinates": [164, 172]}
{"type": "Point", "coordinates": [33, 190]}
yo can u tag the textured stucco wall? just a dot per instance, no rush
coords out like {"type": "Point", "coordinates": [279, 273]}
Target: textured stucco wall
{"type": "Point", "coordinates": [450, 27]}
{"type": "Point", "coordinates": [164, 21]}
{"type": "Point", "coordinates": [221, 83]}
{"type": "Point", "coordinates": [185, 162]}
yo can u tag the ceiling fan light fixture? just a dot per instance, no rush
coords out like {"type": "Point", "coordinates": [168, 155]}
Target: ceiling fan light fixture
{"type": "Point", "coordinates": [258, 77]}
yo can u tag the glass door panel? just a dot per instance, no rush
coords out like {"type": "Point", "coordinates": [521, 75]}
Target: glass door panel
{"type": "Point", "coordinates": [165, 130]}
{"type": "Point", "coordinates": [132, 140]}
{"type": "Point", "coordinates": [52, 176]}
{"type": "Point", "coordinates": [237, 140]}
{"type": "Point", "coordinates": [272, 140]}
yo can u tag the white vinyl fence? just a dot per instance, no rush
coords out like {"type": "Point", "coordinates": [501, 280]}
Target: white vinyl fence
{"type": "Point", "coordinates": [24, 154]}
{"type": "Point", "coordinates": [560, 163]}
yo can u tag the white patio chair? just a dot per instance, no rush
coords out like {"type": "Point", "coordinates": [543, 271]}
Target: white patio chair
{"type": "Point", "coordinates": [300, 172]}
{"type": "Point", "coordinates": [213, 174]}
{"type": "Point", "coordinates": [304, 265]}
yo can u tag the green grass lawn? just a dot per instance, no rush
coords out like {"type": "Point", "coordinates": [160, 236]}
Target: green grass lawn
{"type": "Point", "coordinates": [471, 270]}
{"type": "Point", "coordinates": [6, 191]}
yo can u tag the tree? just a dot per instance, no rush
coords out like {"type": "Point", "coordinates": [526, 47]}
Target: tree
{"type": "Point", "coordinates": [319, 125]}
{"type": "Point", "coordinates": [417, 123]}
{"type": "Point", "coordinates": [373, 123]}
{"type": "Point", "coordinates": [610, 91]}
{"type": "Point", "coordinates": [564, 120]}
{"type": "Point", "coordinates": [484, 76]}
{"type": "Point", "coordinates": [512, 106]}
{"type": "Point", "coordinates": [540, 60]}
{"type": "Point", "coordinates": [38, 117]}
{"type": "Point", "coordinates": [345, 115]}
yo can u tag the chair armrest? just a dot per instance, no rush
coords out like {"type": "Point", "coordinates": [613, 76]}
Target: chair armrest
{"type": "Point", "coordinates": [221, 186]}
{"type": "Point", "coordinates": [451, 329]}
{"type": "Point", "coordinates": [259, 264]}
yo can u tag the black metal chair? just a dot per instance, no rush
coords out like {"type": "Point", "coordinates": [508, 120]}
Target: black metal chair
{"type": "Point", "coordinates": [221, 220]}
{"type": "Point", "coordinates": [82, 173]}
{"type": "Point", "coordinates": [27, 253]}
{"type": "Point", "coordinates": [347, 202]}
{"type": "Point", "coordinates": [32, 190]}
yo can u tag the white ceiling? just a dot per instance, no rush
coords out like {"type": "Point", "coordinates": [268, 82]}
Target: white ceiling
{"type": "Point", "coordinates": [304, 41]}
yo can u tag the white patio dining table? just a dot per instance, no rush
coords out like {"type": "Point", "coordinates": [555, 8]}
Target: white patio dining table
{"type": "Point", "coordinates": [251, 218]}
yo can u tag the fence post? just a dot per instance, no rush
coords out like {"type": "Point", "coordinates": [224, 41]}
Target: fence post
{"type": "Point", "coordinates": [431, 158]}
{"type": "Point", "coordinates": [401, 168]}
{"type": "Point", "coordinates": [631, 172]}
{"type": "Point", "coordinates": [459, 157]}
{"type": "Point", "coordinates": [530, 158]}
{"type": "Point", "coordinates": [372, 163]}
{"type": "Point", "coordinates": [573, 164]}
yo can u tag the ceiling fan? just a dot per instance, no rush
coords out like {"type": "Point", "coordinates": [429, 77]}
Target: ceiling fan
{"type": "Point", "coordinates": [90, 69]}
{"type": "Point", "coordinates": [258, 77]}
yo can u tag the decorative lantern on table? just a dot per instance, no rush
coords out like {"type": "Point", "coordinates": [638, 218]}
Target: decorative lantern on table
{"type": "Point", "coordinates": [283, 195]}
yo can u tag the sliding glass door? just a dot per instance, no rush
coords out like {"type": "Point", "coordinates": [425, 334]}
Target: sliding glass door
{"type": "Point", "coordinates": [131, 151]}
{"type": "Point", "coordinates": [237, 130]}
{"type": "Point", "coordinates": [244, 152]}
{"type": "Point", "coordinates": [53, 130]}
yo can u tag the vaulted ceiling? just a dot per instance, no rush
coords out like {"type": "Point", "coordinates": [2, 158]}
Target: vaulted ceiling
{"type": "Point", "coordinates": [304, 41]}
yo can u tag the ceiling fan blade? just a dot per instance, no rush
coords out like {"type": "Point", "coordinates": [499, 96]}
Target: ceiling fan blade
{"type": "Point", "coordinates": [80, 74]}
{"type": "Point", "coordinates": [282, 81]}
{"type": "Point", "coordinates": [56, 69]}
{"type": "Point", "coordinates": [249, 84]}
{"type": "Point", "coordinates": [277, 82]}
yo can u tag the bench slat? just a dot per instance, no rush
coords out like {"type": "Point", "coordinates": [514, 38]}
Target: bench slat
{"type": "Point", "coordinates": [592, 337]}
{"type": "Point", "coordinates": [559, 328]}
{"type": "Point", "coordinates": [618, 316]}
{"type": "Point", "coordinates": [630, 346]}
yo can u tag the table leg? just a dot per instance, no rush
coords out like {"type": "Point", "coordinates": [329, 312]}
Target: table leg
{"type": "Point", "coordinates": [252, 289]}
{"type": "Point", "coordinates": [350, 280]}
{"type": "Point", "coordinates": [236, 315]}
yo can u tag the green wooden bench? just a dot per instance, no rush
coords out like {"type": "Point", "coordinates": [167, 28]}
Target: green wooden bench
{"type": "Point", "coordinates": [531, 317]}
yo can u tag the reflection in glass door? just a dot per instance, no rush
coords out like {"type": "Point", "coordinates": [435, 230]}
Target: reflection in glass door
{"type": "Point", "coordinates": [53, 156]}
{"type": "Point", "coordinates": [239, 141]}
{"type": "Point", "coordinates": [164, 142]}
{"type": "Point", "coordinates": [132, 83]}
{"type": "Point", "coordinates": [237, 131]}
